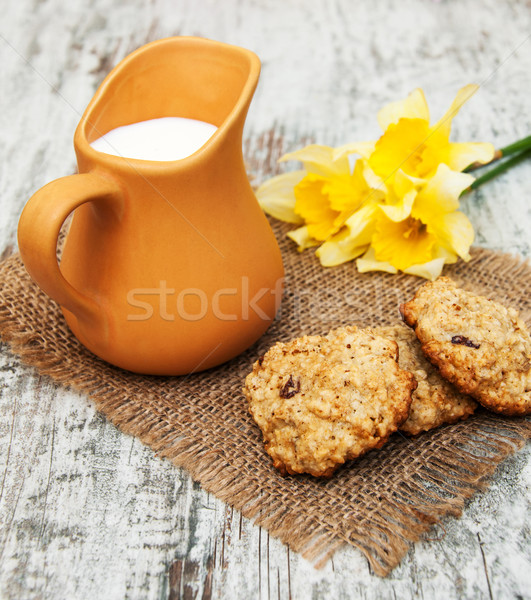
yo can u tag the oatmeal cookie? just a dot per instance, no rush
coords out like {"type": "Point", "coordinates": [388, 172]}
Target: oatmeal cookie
{"type": "Point", "coordinates": [482, 347]}
{"type": "Point", "coordinates": [322, 400]}
{"type": "Point", "coordinates": [435, 401]}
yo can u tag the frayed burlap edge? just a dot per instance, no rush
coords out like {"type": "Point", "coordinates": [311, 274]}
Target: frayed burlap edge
{"type": "Point", "coordinates": [448, 481]}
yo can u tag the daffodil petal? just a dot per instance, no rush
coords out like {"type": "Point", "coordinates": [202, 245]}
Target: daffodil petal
{"type": "Point", "coordinates": [403, 182]}
{"type": "Point", "coordinates": [450, 257]}
{"type": "Point", "coordinates": [352, 240]}
{"type": "Point", "coordinates": [375, 182]}
{"type": "Point", "coordinates": [429, 270]}
{"type": "Point", "coordinates": [368, 263]}
{"type": "Point", "coordinates": [401, 210]}
{"type": "Point", "coordinates": [302, 238]}
{"type": "Point", "coordinates": [276, 196]}
{"type": "Point", "coordinates": [312, 153]}
{"type": "Point", "coordinates": [364, 149]}
{"type": "Point", "coordinates": [333, 253]}
{"type": "Point", "coordinates": [455, 231]}
{"type": "Point", "coordinates": [412, 107]}
{"type": "Point", "coordinates": [441, 194]}
{"type": "Point", "coordinates": [461, 155]}
{"type": "Point", "coordinates": [319, 159]}
{"type": "Point", "coordinates": [361, 224]}
{"type": "Point", "coordinates": [463, 95]}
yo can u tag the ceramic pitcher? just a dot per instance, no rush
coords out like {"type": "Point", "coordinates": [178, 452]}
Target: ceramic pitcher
{"type": "Point", "coordinates": [168, 267]}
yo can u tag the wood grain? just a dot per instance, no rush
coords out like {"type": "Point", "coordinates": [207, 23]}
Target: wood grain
{"type": "Point", "coordinates": [86, 511]}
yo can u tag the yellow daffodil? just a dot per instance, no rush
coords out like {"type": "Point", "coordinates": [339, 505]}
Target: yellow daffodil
{"type": "Point", "coordinates": [432, 233]}
{"type": "Point", "coordinates": [276, 195]}
{"type": "Point", "coordinates": [322, 197]}
{"type": "Point", "coordinates": [409, 142]}
{"type": "Point", "coordinates": [419, 231]}
{"type": "Point", "coordinates": [397, 208]}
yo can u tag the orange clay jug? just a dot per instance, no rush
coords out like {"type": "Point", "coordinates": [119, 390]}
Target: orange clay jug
{"type": "Point", "coordinates": [169, 267]}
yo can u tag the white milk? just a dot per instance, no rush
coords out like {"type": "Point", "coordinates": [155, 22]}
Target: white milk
{"type": "Point", "coordinates": [169, 138]}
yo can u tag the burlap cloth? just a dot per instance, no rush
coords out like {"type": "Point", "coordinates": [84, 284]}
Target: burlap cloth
{"type": "Point", "coordinates": [380, 503]}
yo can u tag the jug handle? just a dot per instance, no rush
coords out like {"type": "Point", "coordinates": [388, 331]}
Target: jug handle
{"type": "Point", "coordinates": [38, 232]}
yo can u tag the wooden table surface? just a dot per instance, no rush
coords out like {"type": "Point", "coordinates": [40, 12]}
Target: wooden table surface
{"type": "Point", "coordinates": [88, 512]}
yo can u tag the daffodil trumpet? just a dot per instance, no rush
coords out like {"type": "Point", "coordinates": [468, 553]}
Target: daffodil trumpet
{"type": "Point", "coordinates": [390, 204]}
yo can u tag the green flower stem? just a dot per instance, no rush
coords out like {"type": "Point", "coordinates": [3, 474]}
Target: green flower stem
{"type": "Point", "coordinates": [519, 146]}
{"type": "Point", "coordinates": [498, 169]}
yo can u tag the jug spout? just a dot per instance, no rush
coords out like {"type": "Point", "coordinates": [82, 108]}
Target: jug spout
{"type": "Point", "coordinates": [188, 77]}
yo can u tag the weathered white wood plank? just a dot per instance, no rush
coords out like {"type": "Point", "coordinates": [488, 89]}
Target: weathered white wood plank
{"type": "Point", "coordinates": [88, 512]}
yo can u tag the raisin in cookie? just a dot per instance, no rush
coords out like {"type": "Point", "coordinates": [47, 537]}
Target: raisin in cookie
{"type": "Point", "coordinates": [322, 400]}
{"type": "Point", "coordinates": [435, 401]}
{"type": "Point", "coordinates": [483, 348]}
